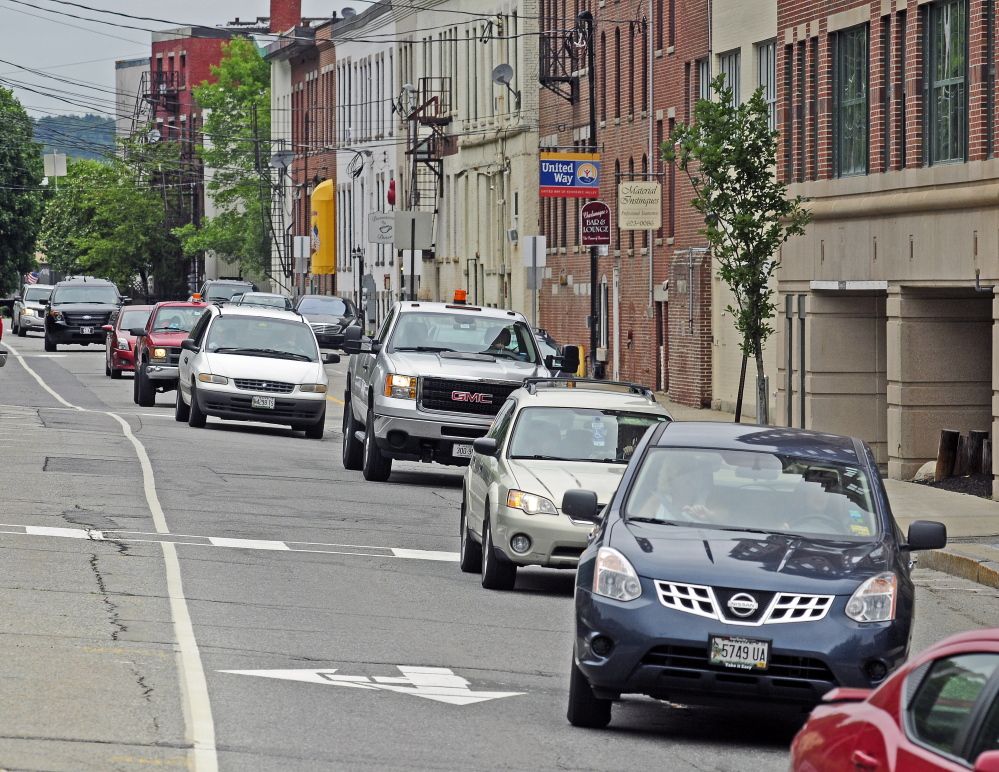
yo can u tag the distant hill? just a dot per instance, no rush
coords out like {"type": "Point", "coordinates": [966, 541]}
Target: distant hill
{"type": "Point", "coordinates": [78, 136]}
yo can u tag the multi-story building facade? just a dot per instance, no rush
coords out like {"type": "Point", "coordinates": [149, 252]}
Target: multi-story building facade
{"type": "Point", "coordinates": [887, 112]}
{"type": "Point", "coordinates": [128, 75]}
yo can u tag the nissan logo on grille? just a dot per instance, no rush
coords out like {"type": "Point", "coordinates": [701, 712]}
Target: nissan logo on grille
{"type": "Point", "coordinates": [467, 396]}
{"type": "Point", "coordinates": [743, 605]}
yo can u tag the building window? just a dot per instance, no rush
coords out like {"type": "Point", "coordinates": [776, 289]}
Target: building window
{"type": "Point", "coordinates": [851, 110]}
{"type": "Point", "coordinates": [703, 79]}
{"type": "Point", "coordinates": [766, 78]}
{"type": "Point", "coordinates": [729, 65]}
{"type": "Point", "coordinates": [947, 78]}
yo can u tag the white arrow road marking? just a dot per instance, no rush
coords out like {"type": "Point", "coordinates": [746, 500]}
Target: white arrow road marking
{"type": "Point", "coordinates": [431, 683]}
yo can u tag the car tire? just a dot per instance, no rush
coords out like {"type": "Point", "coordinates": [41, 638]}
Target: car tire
{"type": "Point", "coordinates": [497, 572]}
{"type": "Point", "coordinates": [315, 430]}
{"type": "Point", "coordinates": [50, 345]}
{"type": "Point", "coordinates": [116, 374]}
{"type": "Point", "coordinates": [144, 388]}
{"type": "Point", "coordinates": [353, 448]}
{"type": "Point", "coordinates": [470, 557]}
{"type": "Point", "coordinates": [195, 418]}
{"type": "Point", "coordinates": [585, 708]}
{"type": "Point", "coordinates": [377, 466]}
{"type": "Point", "coordinates": [20, 331]}
{"type": "Point", "coordinates": [181, 411]}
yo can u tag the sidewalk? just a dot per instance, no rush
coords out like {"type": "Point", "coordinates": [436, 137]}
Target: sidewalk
{"type": "Point", "coordinates": [972, 522]}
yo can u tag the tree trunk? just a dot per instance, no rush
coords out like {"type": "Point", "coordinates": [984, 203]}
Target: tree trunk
{"type": "Point", "coordinates": [763, 419]}
{"type": "Point", "coordinates": [742, 388]}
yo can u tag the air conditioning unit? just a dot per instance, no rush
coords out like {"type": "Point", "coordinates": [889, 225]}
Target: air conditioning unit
{"type": "Point", "coordinates": [513, 235]}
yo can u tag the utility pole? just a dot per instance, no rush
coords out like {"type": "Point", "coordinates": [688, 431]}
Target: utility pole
{"type": "Point", "coordinates": [586, 18]}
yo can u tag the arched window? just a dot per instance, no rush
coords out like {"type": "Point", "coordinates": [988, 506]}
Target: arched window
{"type": "Point", "coordinates": [645, 67]}
{"type": "Point", "coordinates": [603, 76]}
{"type": "Point", "coordinates": [645, 171]}
{"type": "Point", "coordinates": [617, 72]}
{"type": "Point", "coordinates": [631, 176]}
{"type": "Point", "coordinates": [631, 68]}
{"type": "Point", "coordinates": [660, 12]}
{"type": "Point", "coordinates": [617, 181]}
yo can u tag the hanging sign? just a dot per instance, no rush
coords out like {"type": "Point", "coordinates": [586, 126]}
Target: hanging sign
{"type": "Point", "coordinates": [323, 244]}
{"type": "Point", "coordinates": [639, 206]}
{"type": "Point", "coordinates": [570, 175]}
{"type": "Point", "coordinates": [595, 224]}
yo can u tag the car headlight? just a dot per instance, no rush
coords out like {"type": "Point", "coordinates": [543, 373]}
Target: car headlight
{"type": "Point", "coordinates": [614, 577]}
{"type": "Point", "coordinates": [400, 386]}
{"type": "Point", "coordinates": [209, 378]}
{"type": "Point", "coordinates": [874, 600]}
{"type": "Point", "coordinates": [530, 503]}
{"type": "Point", "coordinates": [28, 312]}
{"type": "Point", "coordinates": [319, 388]}
{"type": "Point", "coordinates": [159, 353]}
{"type": "Point", "coordinates": [123, 344]}
{"type": "Point", "coordinates": [57, 315]}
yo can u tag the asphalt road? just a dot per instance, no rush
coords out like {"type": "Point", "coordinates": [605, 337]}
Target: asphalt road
{"type": "Point", "coordinates": [122, 623]}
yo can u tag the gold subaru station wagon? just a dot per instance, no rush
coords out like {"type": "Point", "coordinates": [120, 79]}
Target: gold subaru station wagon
{"type": "Point", "coordinates": [550, 436]}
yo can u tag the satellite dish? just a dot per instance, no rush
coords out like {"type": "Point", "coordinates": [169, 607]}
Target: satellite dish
{"type": "Point", "coordinates": [282, 159]}
{"type": "Point", "coordinates": [154, 136]}
{"type": "Point", "coordinates": [502, 74]}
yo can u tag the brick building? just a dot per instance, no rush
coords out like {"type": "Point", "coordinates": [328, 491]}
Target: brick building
{"type": "Point", "coordinates": [649, 334]}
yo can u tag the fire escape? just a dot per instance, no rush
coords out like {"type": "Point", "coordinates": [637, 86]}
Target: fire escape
{"type": "Point", "coordinates": [428, 143]}
{"type": "Point", "coordinates": [159, 92]}
{"type": "Point", "coordinates": [563, 51]}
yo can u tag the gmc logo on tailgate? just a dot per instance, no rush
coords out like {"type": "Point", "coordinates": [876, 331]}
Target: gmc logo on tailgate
{"type": "Point", "coordinates": [467, 396]}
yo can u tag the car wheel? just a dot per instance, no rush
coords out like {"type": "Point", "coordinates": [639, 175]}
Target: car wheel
{"type": "Point", "coordinates": [49, 344]}
{"type": "Point", "coordinates": [181, 411]}
{"type": "Point", "coordinates": [586, 709]}
{"type": "Point", "coordinates": [116, 374]}
{"type": "Point", "coordinates": [107, 366]}
{"type": "Point", "coordinates": [146, 391]}
{"type": "Point", "coordinates": [353, 449]}
{"type": "Point", "coordinates": [195, 417]}
{"type": "Point", "coordinates": [20, 331]}
{"type": "Point", "coordinates": [377, 466]}
{"type": "Point", "coordinates": [470, 561]}
{"type": "Point", "coordinates": [315, 431]}
{"type": "Point", "coordinates": [497, 573]}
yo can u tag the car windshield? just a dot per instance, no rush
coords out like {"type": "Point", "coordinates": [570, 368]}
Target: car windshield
{"type": "Point", "coordinates": [133, 318]}
{"type": "Point", "coordinates": [37, 294]}
{"type": "Point", "coordinates": [254, 336]}
{"type": "Point", "coordinates": [466, 334]}
{"type": "Point", "coordinates": [225, 291]}
{"type": "Point", "coordinates": [100, 294]}
{"type": "Point", "coordinates": [579, 433]}
{"type": "Point", "coordinates": [749, 490]}
{"type": "Point", "coordinates": [331, 306]}
{"type": "Point", "coordinates": [176, 319]}
{"type": "Point", "coordinates": [271, 301]}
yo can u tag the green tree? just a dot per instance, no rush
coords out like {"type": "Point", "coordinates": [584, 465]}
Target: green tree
{"type": "Point", "coordinates": [236, 132]}
{"type": "Point", "coordinates": [729, 154]}
{"type": "Point", "coordinates": [21, 199]}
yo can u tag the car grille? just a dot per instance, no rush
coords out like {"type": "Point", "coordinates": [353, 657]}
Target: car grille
{"type": "Point", "coordinates": [477, 397]}
{"type": "Point", "coordinates": [96, 319]}
{"type": "Point", "coordinates": [173, 355]}
{"type": "Point", "coordinates": [324, 329]}
{"type": "Point", "coordinates": [781, 665]}
{"type": "Point", "coordinates": [772, 609]}
{"type": "Point", "coordinates": [271, 387]}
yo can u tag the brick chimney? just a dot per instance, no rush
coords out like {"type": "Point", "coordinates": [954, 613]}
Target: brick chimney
{"type": "Point", "coordinates": [285, 14]}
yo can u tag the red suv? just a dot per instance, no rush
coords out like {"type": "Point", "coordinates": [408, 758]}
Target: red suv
{"type": "Point", "coordinates": [157, 348]}
{"type": "Point", "coordinates": [120, 346]}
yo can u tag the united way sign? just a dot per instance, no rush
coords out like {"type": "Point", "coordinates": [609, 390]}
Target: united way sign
{"type": "Point", "coordinates": [570, 175]}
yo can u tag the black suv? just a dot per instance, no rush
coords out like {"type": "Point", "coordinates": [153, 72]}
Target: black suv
{"type": "Point", "coordinates": [222, 290]}
{"type": "Point", "coordinates": [78, 309]}
{"type": "Point", "coordinates": [329, 316]}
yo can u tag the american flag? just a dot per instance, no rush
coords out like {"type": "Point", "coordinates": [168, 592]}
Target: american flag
{"type": "Point", "coordinates": [32, 278]}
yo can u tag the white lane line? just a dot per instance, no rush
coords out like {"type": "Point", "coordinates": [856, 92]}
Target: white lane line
{"type": "Point", "coordinates": [230, 543]}
{"type": "Point", "coordinates": [198, 711]}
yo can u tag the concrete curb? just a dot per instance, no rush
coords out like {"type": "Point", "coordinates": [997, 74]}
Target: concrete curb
{"type": "Point", "coordinates": [976, 568]}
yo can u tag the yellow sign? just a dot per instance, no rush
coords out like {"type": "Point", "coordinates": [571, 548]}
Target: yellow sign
{"type": "Point", "coordinates": [324, 228]}
{"type": "Point", "coordinates": [639, 206]}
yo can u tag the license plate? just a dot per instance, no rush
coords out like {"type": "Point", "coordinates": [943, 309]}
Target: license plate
{"type": "Point", "coordinates": [462, 451]}
{"type": "Point", "coordinates": [267, 402]}
{"type": "Point", "coordinates": [739, 653]}
{"type": "Point", "coordinates": [86, 330]}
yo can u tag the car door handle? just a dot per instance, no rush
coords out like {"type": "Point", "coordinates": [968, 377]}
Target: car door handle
{"type": "Point", "coordinates": [864, 761]}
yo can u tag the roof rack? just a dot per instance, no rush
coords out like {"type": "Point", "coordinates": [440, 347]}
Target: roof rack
{"type": "Point", "coordinates": [532, 384]}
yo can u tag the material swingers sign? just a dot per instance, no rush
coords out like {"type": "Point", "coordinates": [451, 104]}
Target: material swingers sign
{"type": "Point", "coordinates": [570, 175]}
{"type": "Point", "coordinates": [595, 224]}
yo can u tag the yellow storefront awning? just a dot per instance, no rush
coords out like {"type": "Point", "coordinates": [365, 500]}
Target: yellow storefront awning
{"type": "Point", "coordinates": [324, 228]}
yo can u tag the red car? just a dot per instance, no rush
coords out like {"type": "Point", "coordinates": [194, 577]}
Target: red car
{"type": "Point", "coordinates": [157, 348]}
{"type": "Point", "coordinates": [120, 346]}
{"type": "Point", "coordinates": [940, 711]}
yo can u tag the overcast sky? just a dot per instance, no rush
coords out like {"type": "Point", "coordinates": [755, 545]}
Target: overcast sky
{"type": "Point", "coordinates": [32, 36]}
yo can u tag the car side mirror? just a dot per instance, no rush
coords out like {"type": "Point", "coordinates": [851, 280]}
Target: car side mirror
{"type": "Point", "coordinates": [330, 359]}
{"type": "Point", "coordinates": [188, 344]}
{"type": "Point", "coordinates": [927, 535]}
{"type": "Point", "coordinates": [3, 358]}
{"type": "Point", "coordinates": [352, 340]}
{"type": "Point", "coordinates": [138, 332]}
{"type": "Point", "coordinates": [987, 762]}
{"type": "Point", "coordinates": [570, 359]}
{"type": "Point", "coordinates": [107, 328]}
{"type": "Point", "coordinates": [126, 300]}
{"type": "Point", "coordinates": [580, 505]}
{"type": "Point", "coordinates": [487, 446]}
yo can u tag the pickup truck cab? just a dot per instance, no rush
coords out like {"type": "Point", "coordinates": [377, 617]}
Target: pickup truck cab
{"type": "Point", "coordinates": [29, 309]}
{"type": "Point", "coordinates": [157, 348]}
{"type": "Point", "coordinates": [431, 380]}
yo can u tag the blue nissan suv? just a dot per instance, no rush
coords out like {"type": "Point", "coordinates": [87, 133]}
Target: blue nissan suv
{"type": "Point", "coordinates": [741, 564]}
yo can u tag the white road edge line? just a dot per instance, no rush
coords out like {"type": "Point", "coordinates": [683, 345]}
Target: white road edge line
{"type": "Point", "coordinates": [198, 711]}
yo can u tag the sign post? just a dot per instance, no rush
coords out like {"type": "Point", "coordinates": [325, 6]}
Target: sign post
{"type": "Point", "coordinates": [535, 257]}
{"type": "Point", "coordinates": [413, 231]}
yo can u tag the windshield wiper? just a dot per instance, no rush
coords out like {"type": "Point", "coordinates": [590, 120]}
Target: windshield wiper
{"type": "Point", "coordinates": [538, 457]}
{"type": "Point", "coordinates": [750, 530]}
{"type": "Point", "coordinates": [267, 352]}
{"type": "Point", "coordinates": [651, 520]}
{"type": "Point", "coordinates": [167, 329]}
{"type": "Point", "coordinates": [435, 349]}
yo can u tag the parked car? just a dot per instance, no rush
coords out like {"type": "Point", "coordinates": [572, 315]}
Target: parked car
{"type": "Point", "coordinates": [266, 299]}
{"type": "Point", "coordinates": [549, 437]}
{"type": "Point", "coordinates": [739, 564]}
{"type": "Point", "coordinates": [222, 290]}
{"type": "Point", "coordinates": [253, 364]}
{"type": "Point", "coordinates": [329, 316]}
{"type": "Point", "coordinates": [940, 711]}
{"type": "Point", "coordinates": [119, 350]}
{"type": "Point", "coordinates": [29, 309]}
{"type": "Point", "coordinates": [77, 311]}
{"type": "Point", "coordinates": [157, 348]}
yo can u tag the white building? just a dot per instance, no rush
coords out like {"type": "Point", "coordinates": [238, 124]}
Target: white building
{"type": "Point", "coordinates": [127, 94]}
